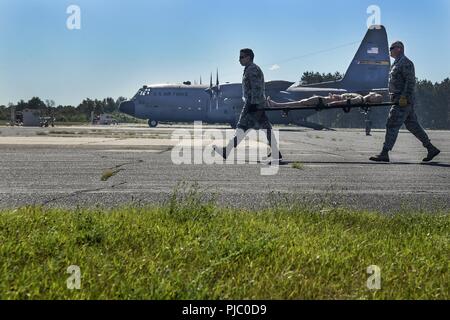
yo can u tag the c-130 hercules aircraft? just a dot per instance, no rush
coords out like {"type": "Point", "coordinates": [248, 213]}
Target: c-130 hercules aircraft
{"type": "Point", "coordinates": [222, 103]}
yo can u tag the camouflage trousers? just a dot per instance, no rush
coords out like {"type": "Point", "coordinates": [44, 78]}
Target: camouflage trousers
{"type": "Point", "coordinates": [256, 120]}
{"type": "Point", "coordinates": [399, 116]}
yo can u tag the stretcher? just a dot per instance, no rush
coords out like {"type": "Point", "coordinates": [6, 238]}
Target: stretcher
{"type": "Point", "coordinates": [346, 106]}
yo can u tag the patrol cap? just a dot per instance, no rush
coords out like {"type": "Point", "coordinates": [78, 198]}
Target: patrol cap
{"type": "Point", "coordinates": [398, 44]}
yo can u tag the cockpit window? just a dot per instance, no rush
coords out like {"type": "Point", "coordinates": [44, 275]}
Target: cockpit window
{"type": "Point", "coordinates": [143, 92]}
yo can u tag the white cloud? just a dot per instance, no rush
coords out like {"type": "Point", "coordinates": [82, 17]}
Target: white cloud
{"type": "Point", "coordinates": [274, 67]}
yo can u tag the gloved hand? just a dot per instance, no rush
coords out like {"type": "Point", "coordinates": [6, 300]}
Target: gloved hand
{"type": "Point", "coordinates": [253, 108]}
{"type": "Point", "coordinates": [403, 101]}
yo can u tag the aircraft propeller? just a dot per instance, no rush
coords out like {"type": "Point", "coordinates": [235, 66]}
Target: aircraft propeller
{"type": "Point", "coordinates": [214, 91]}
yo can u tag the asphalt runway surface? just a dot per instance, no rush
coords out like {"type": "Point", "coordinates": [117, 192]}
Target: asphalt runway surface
{"type": "Point", "coordinates": [63, 167]}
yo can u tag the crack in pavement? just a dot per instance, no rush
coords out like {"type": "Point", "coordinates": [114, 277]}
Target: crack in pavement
{"type": "Point", "coordinates": [320, 151]}
{"type": "Point", "coordinates": [165, 150]}
{"type": "Point", "coordinates": [116, 169]}
{"type": "Point", "coordinates": [75, 193]}
{"type": "Point", "coordinates": [126, 163]}
{"type": "Point", "coordinates": [90, 143]}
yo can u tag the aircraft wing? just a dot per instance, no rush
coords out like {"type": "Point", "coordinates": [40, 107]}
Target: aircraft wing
{"type": "Point", "coordinates": [278, 85]}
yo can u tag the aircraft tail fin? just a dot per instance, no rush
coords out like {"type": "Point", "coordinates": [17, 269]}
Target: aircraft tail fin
{"type": "Point", "coordinates": [369, 68]}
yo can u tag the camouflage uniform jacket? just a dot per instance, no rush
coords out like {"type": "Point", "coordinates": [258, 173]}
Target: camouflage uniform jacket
{"type": "Point", "coordinates": [402, 80]}
{"type": "Point", "coordinates": [253, 86]}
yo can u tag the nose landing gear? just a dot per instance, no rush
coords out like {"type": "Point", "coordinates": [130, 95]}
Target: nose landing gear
{"type": "Point", "coordinates": [152, 123]}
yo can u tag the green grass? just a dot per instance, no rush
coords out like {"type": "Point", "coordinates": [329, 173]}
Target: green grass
{"type": "Point", "coordinates": [188, 249]}
{"type": "Point", "coordinates": [109, 173]}
{"type": "Point", "coordinates": [71, 123]}
{"type": "Point", "coordinates": [297, 165]}
{"type": "Point", "coordinates": [62, 132]}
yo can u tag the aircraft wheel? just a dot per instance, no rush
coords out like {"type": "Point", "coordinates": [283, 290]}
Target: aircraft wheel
{"type": "Point", "coordinates": [152, 123]}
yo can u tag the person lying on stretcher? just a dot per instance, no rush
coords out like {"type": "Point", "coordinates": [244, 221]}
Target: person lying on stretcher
{"type": "Point", "coordinates": [330, 100]}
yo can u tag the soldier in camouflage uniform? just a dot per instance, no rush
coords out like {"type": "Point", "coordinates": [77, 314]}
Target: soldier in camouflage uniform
{"type": "Point", "coordinates": [253, 115]}
{"type": "Point", "coordinates": [402, 81]}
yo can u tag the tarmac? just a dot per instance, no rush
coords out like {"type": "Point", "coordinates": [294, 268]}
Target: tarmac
{"type": "Point", "coordinates": [64, 167]}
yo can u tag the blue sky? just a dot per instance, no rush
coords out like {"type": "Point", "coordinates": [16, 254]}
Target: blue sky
{"type": "Point", "coordinates": [125, 44]}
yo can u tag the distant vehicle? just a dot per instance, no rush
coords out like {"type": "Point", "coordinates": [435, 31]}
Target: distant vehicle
{"type": "Point", "coordinates": [368, 71]}
{"type": "Point", "coordinates": [18, 118]}
{"type": "Point", "coordinates": [32, 118]}
{"type": "Point", "coordinates": [105, 119]}
{"type": "Point", "coordinates": [47, 121]}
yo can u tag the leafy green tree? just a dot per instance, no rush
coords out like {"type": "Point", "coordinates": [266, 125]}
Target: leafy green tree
{"type": "Point", "coordinates": [50, 103]}
{"type": "Point", "coordinates": [433, 104]}
{"type": "Point", "coordinates": [109, 105]}
{"type": "Point", "coordinates": [3, 112]}
{"type": "Point", "coordinates": [310, 77]}
{"type": "Point", "coordinates": [86, 107]}
{"type": "Point", "coordinates": [36, 103]}
{"type": "Point", "coordinates": [21, 105]}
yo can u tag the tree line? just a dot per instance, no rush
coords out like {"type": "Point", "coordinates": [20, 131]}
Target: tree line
{"type": "Point", "coordinates": [68, 113]}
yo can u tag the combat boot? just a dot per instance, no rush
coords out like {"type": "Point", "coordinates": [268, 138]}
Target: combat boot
{"type": "Point", "coordinates": [432, 152]}
{"type": "Point", "coordinates": [280, 156]}
{"type": "Point", "coordinates": [382, 157]}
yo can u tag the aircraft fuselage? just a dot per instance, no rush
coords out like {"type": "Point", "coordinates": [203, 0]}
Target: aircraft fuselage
{"type": "Point", "coordinates": [368, 71]}
{"type": "Point", "coordinates": [188, 103]}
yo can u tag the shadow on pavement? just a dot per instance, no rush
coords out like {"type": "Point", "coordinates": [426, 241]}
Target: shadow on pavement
{"type": "Point", "coordinates": [434, 164]}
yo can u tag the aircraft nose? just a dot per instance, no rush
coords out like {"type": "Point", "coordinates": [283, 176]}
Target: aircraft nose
{"type": "Point", "coordinates": [127, 107]}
